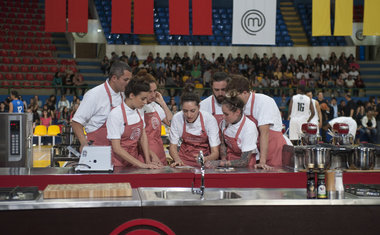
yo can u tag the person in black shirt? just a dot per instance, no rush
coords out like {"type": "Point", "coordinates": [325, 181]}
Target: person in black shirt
{"type": "Point", "coordinates": [349, 109]}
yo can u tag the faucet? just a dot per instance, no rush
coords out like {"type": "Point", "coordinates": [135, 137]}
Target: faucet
{"type": "Point", "coordinates": [201, 190]}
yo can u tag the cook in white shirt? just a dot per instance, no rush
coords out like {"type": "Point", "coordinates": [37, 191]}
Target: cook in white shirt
{"type": "Point", "coordinates": [155, 112]}
{"type": "Point", "coordinates": [126, 129]}
{"type": "Point", "coordinates": [198, 131]}
{"type": "Point", "coordinates": [263, 111]}
{"type": "Point", "coordinates": [97, 103]}
{"type": "Point", "coordinates": [240, 135]}
{"type": "Point", "coordinates": [213, 103]}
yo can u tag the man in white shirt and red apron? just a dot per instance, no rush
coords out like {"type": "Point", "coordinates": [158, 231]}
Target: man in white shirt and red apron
{"type": "Point", "coordinates": [263, 111]}
{"type": "Point", "coordinates": [97, 103]}
{"type": "Point", "coordinates": [213, 103]}
{"type": "Point", "coordinates": [155, 112]}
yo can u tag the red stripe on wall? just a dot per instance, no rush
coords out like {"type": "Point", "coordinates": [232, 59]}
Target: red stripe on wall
{"type": "Point", "coordinates": [179, 17]}
{"type": "Point", "coordinates": [78, 16]}
{"type": "Point", "coordinates": [202, 17]}
{"type": "Point", "coordinates": [143, 17]}
{"type": "Point", "coordinates": [121, 16]}
{"type": "Point", "coordinates": [55, 15]}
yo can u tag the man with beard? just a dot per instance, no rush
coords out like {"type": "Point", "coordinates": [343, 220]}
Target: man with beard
{"type": "Point", "coordinates": [213, 103]}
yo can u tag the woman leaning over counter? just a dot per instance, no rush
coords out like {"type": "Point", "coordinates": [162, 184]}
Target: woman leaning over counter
{"type": "Point", "coordinates": [238, 147]}
{"type": "Point", "coordinates": [197, 130]}
{"type": "Point", "coordinates": [126, 128]}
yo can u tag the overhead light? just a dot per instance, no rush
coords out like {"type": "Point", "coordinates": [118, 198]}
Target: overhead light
{"type": "Point", "coordinates": [99, 30]}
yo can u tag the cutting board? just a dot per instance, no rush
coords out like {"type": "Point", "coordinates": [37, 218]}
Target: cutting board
{"type": "Point", "coordinates": [88, 190]}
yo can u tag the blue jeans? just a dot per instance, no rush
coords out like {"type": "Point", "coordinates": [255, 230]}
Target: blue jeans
{"type": "Point", "coordinates": [370, 134]}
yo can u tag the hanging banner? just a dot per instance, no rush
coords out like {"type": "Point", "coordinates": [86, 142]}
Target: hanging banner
{"type": "Point", "coordinates": [202, 17]}
{"type": "Point", "coordinates": [254, 22]}
{"type": "Point", "coordinates": [121, 16]}
{"type": "Point", "coordinates": [78, 16]}
{"type": "Point", "coordinates": [371, 24]}
{"type": "Point", "coordinates": [179, 17]}
{"type": "Point", "coordinates": [143, 17]}
{"type": "Point", "coordinates": [321, 25]}
{"type": "Point", "coordinates": [343, 17]}
{"type": "Point", "coordinates": [55, 15]}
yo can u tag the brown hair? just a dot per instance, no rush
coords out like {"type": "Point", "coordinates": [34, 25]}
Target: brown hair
{"type": "Point", "coordinates": [234, 103]}
{"type": "Point", "coordinates": [189, 95]}
{"type": "Point", "coordinates": [239, 84]}
{"type": "Point", "coordinates": [144, 75]}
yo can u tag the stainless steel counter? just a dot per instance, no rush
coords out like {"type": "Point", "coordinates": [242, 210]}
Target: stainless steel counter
{"type": "Point", "coordinates": [42, 203]}
{"type": "Point", "coordinates": [123, 170]}
{"type": "Point", "coordinates": [183, 197]}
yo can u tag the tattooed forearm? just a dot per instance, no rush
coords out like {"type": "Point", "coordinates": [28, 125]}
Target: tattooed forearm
{"type": "Point", "coordinates": [243, 161]}
{"type": "Point", "coordinates": [223, 151]}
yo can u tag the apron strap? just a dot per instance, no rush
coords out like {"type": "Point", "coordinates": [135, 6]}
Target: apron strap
{"type": "Point", "coordinates": [109, 93]}
{"type": "Point", "coordinates": [124, 115]}
{"type": "Point", "coordinates": [240, 128]}
{"type": "Point", "coordinates": [213, 105]}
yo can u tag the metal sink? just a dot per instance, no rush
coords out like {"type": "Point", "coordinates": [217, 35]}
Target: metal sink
{"type": "Point", "coordinates": [186, 194]}
{"type": "Point", "coordinates": [217, 196]}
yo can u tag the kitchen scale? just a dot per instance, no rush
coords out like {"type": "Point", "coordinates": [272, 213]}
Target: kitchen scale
{"type": "Point", "coordinates": [94, 158]}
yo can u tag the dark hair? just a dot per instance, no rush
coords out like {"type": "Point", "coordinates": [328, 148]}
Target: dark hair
{"type": "Point", "coordinates": [15, 94]}
{"type": "Point", "coordinates": [234, 103]}
{"type": "Point", "coordinates": [136, 86]}
{"type": "Point", "coordinates": [189, 95]}
{"type": "Point", "coordinates": [301, 89]}
{"type": "Point", "coordinates": [144, 75]}
{"type": "Point", "coordinates": [118, 68]}
{"type": "Point", "coordinates": [238, 83]}
{"type": "Point", "coordinates": [220, 76]}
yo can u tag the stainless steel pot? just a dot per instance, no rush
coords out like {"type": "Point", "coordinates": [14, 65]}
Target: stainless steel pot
{"type": "Point", "coordinates": [317, 155]}
{"type": "Point", "coordinates": [363, 158]}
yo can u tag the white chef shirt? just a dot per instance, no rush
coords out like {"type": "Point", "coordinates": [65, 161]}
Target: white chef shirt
{"type": "Point", "coordinates": [247, 138]}
{"type": "Point", "coordinates": [95, 107]}
{"type": "Point", "coordinates": [115, 121]}
{"type": "Point", "coordinates": [265, 111]}
{"type": "Point", "coordinates": [352, 125]}
{"type": "Point", "coordinates": [195, 128]}
{"type": "Point", "coordinates": [206, 105]}
{"type": "Point", "coordinates": [154, 107]}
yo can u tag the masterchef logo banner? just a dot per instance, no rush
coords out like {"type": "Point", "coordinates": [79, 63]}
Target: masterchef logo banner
{"type": "Point", "coordinates": [254, 22]}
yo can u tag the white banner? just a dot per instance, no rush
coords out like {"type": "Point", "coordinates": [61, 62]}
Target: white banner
{"type": "Point", "coordinates": [254, 22]}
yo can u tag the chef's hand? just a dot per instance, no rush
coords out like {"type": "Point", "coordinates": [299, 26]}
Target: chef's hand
{"type": "Point", "coordinates": [263, 166]}
{"type": "Point", "coordinates": [177, 163]}
{"type": "Point", "coordinates": [159, 99]}
{"type": "Point", "coordinates": [151, 166]}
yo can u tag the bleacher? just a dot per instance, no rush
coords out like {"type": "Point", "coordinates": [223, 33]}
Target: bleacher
{"type": "Point", "coordinates": [305, 13]}
{"type": "Point", "coordinates": [221, 28]}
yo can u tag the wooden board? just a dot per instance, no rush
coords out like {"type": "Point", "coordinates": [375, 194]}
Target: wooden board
{"type": "Point", "coordinates": [351, 170]}
{"type": "Point", "coordinates": [88, 190]}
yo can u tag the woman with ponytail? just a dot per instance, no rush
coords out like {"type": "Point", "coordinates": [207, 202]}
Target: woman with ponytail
{"type": "Point", "coordinates": [126, 129]}
{"type": "Point", "coordinates": [239, 136]}
{"type": "Point", "coordinates": [197, 130]}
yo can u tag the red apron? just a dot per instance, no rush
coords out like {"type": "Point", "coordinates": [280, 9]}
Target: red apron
{"type": "Point", "coordinates": [275, 143]}
{"type": "Point", "coordinates": [129, 141]}
{"type": "Point", "coordinates": [153, 132]}
{"type": "Point", "coordinates": [192, 144]}
{"type": "Point", "coordinates": [99, 137]}
{"type": "Point", "coordinates": [219, 117]}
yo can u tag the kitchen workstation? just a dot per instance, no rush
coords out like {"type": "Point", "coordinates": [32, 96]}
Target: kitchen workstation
{"type": "Point", "coordinates": [320, 187]}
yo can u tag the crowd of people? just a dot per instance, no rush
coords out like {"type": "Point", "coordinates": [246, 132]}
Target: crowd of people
{"type": "Point", "coordinates": [51, 112]}
{"type": "Point", "coordinates": [271, 75]}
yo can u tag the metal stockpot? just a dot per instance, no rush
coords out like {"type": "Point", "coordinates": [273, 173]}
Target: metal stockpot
{"type": "Point", "coordinates": [363, 158]}
{"type": "Point", "coordinates": [317, 155]}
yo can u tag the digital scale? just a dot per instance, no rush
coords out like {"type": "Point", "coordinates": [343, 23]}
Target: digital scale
{"type": "Point", "coordinates": [94, 158]}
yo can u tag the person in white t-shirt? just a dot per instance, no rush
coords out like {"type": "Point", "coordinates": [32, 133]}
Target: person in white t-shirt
{"type": "Point", "coordinates": [352, 125]}
{"type": "Point", "coordinates": [264, 112]}
{"type": "Point", "coordinates": [155, 112]}
{"type": "Point", "coordinates": [196, 129]}
{"type": "Point", "coordinates": [126, 129]}
{"type": "Point", "coordinates": [97, 103]}
{"type": "Point", "coordinates": [238, 147]}
{"type": "Point", "coordinates": [301, 110]}
{"type": "Point", "coordinates": [213, 103]}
